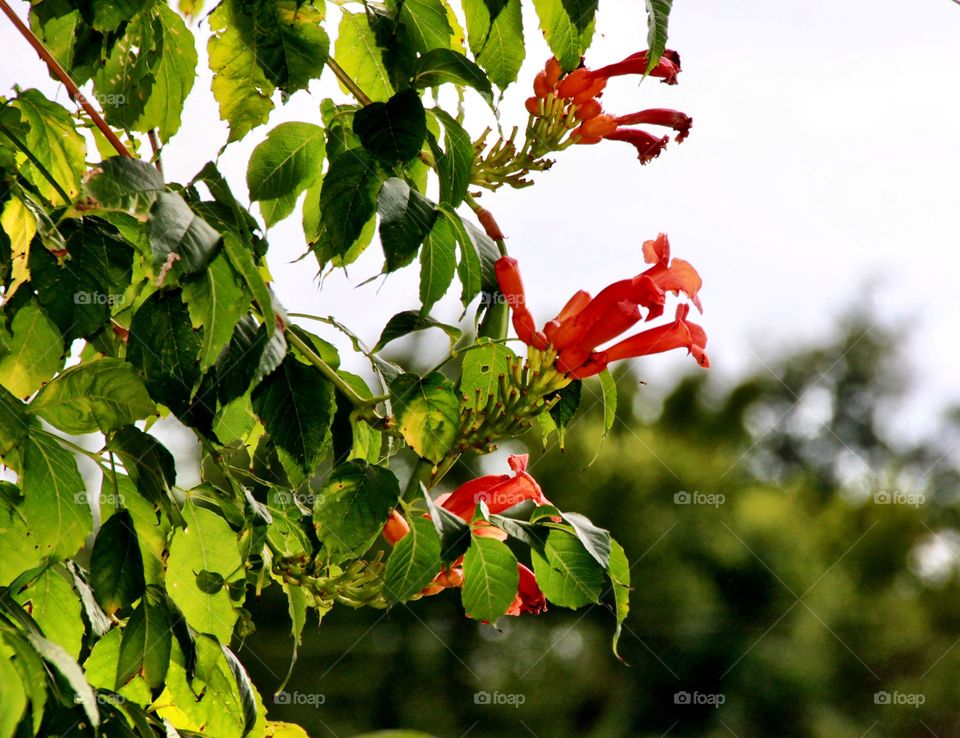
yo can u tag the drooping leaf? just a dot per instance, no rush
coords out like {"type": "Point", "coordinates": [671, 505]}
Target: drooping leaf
{"type": "Point", "coordinates": [147, 639]}
{"type": "Point", "coordinates": [414, 562]}
{"type": "Point", "coordinates": [174, 229]}
{"type": "Point", "coordinates": [438, 262]}
{"type": "Point", "coordinates": [116, 565]}
{"type": "Point", "coordinates": [243, 261]}
{"type": "Point", "coordinates": [453, 532]}
{"type": "Point", "coordinates": [20, 225]}
{"type": "Point", "coordinates": [348, 198]}
{"type": "Point", "coordinates": [619, 573]}
{"type": "Point", "coordinates": [564, 409]}
{"type": "Point", "coordinates": [406, 218]}
{"type": "Point", "coordinates": [455, 161]}
{"type": "Point", "coordinates": [658, 17]}
{"type": "Point", "coordinates": [164, 345]}
{"type": "Point", "coordinates": [250, 356]}
{"type": "Point", "coordinates": [360, 57]}
{"type": "Point", "coordinates": [216, 300]}
{"type": "Point", "coordinates": [393, 131]}
{"type": "Point", "coordinates": [568, 575]}
{"type": "Point", "coordinates": [409, 321]}
{"type": "Point", "coordinates": [469, 266]}
{"type": "Point", "coordinates": [35, 351]}
{"type": "Point", "coordinates": [445, 65]}
{"type": "Point", "coordinates": [288, 162]}
{"type": "Point", "coordinates": [99, 395]}
{"type": "Point", "coordinates": [71, 672]}
{"type": "Point", "coordinates": [596, 540]}
{"type": "Point", "coordinates": [296, 405]}
{"type": "Point", "coordinates": [147, 461]}
{"type": "Point", "coordinates": [496, 38]}
{"type": "Point", "coordinates": [124, 184]}
{"type": "Point", "coordinates": [245, 689]}
{"type": "Point", "coordinates": [14, 424]}
{"type": "Point", "coordinates": [568, 28]}
{"type": "Point", "coordinates": [352, 506]}
{"type": "Point", "coordinates": [207, 544]}
{"type": "Point", "coordinates": [55, 607]}
{"type": "Point", "coordinates": [426, 21]}
{"type": "Point", "coordinates": [55, 142]}
{"type": "Point", "coordinates": [490, 579]}
{"type": "Point", "coordinates": [428, 413]}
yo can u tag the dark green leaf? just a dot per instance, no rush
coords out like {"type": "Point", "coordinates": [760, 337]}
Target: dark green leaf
{"type": "Point", "coordinates": [568, 575]}
{"type": "Point", "coordinates": [566, 406]}
{"type": "Point", "coordinates": [438, 261]}
{"type": "Point", "coordinates": [147, 461]}
{"type": "Point", "coordinates": [454, 534]}
{"type": "Point", "coordinates": [176, 230]}
{"type": "Point", "coordinates": [409, 321]}
{"type": "Point", "coordinates": [469, 267]}
{"type": "Point", "coordinates": [406, 218]}
{"type": "Point", "coordinates": [145, 648]}
{"type": "Point", "coordinates": [428, 413]}
{"type": "Point", "coordinates": [445, 65]}
{"type": "Point", "coordinates": [116, 565]}
{"type": "Point", "coordinates": [658, 17]}
{"type": "Point", "coordinates": [124, 184]}
{"type": "Point", "coordinates": [296, 405]}
{"type": "Point", "coordinates": [414, 562]}
{"type": "Point", "coordinates": [216, 300]}
{"type": "Point", "coordinates": [393, 131]}
{"type": "Point", "coordinates": [352, 507]}
{"type": "Point", "coordinates": [99, 395]}
{"type": "Point", "coordinates": [535, 536]}
{"type": "Point", "coordinates": [243, 261]}
{"type": "Point", "coordinates": [455, 162]}
{"type": "Point", "coordinates": [348, 198]}
{"type": "Point", "coordinates": [490, 579]}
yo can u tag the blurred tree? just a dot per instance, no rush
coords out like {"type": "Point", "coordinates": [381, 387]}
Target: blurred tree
{"type": "Point", "coordinates": [786, 580]}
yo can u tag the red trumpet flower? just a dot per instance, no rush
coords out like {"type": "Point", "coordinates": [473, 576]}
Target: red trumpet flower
{"type": "Point", "coordinates": [584, 323]}
{"type": "Point", "coordinates": [529, 598]}
{"type": "Point", "coordinates": [499, 491]}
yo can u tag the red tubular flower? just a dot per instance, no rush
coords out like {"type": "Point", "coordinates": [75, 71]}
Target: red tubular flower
{"type": "Point", "coordinates": [680, 122]}
{"type": "Point", "coordinates": [584, 323]}
{"type": "Point", "coordinates": [529, 598]}
{"type": "Point", "coordinates": [648, 146]}
{"type": "Point", "coordinates": [508, 277]}
{"type": "Point", "coordinates": [667, 68]}
{"type": "Point", "coordinates": [499, 491]}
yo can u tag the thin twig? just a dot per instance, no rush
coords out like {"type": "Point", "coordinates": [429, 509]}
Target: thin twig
{"type": "Point", "coordinates": [61, 74]}
{"type": "Point", "coordinates": [155, 145]}
{"type": "Point", "coordinates": [345, 79]}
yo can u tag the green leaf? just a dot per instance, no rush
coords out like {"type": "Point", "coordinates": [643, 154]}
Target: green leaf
{"type": "Point", "coordinates": [147, 639]}
{"type": "Point", "coordinates": [240, 85]}
{"type": "Point", "coordinates": [175, 229]}
{"type": "Point", "coordinates": [438, 262]}
{"type": "Point", "coordinates": [68, 668]}
{"type": "Point", "coordinates": [14, 703]}
{"type": "Point", "coordinates": [414, 562]}
{"type": "Point", "coordinates": [53, 139]}
{"type": "Point", "coordinates": [595, 540]}
{"type": "Point", "coordinates": [490, 579]}
{"type": "Point", "coordinates": [245, 689]}
{"type": "Point", "coordinates": [148, 462]}
{"type": "Point", "coordinates": [426, 21]}
{"type": "Point", "coordinates": [35, 352]}
{"type": "Point", "coordinates": [409, 321]}
{"type": "Point", "coordinates": [455, 162]}
{"type": "Point", "coordinates": [124, 184]}
{"type": "Point", "coordinates": [352, 507]}
{"type": "Point", "coordinates": [20, 225]}
{"type": "Point", "coordinates": [469, 266]}
{"type": "Point", "coordinates": [534, 536]}
{"type": "Point", "coordinates": [14, 424]}
{"type": "Point", "coordinates": [481, 372]}
{"type": "Point", "coordinates": [454, 534]}
{"type": "Point", "coordinates": [216, 300]}
{"type": "Point", "coordinates": [206, 544]}
{"type": "Point", "coordinates": [565, 408]}
{"type": "Point", "coordinates": [658, 17]}
{"type": "Point", "coordinates": [55, 607]}
{"type": "Point", "coordinates": [100, 395]}
{"type": "Point", "coordinates": [619, 572]}
{"type": "Point", "coordinates": [445, 65]}
{"type": "Point", "coordinates": [568, 28]}
{"type": "Point", "coordinates": [393, 131]}
{"type": "Point", "coordinates": [406, 218]}
{"type": "Point", "coordinates": [164, 345]}
{"type": "Point", "coordinates": [348, 198]}
{"type": "Point", "coordinates": [249, 357]}
{"type": "Point", "coordinates": [26, 668]}
{"type": "Point", "coordinates": [149, 73]}
{"type": "Point", "coordinates": [116, 565]}
{"type": "Point", "coordinates": [288, 162]}
{"type": "Point", "coordinates": [55, 506]}
{"type": "Point", "coordinates": [360, 57]}
{"type": "Point", "coordinates": [428, 413]}
{"type": "Point", "coordinates": [496, 42]}
{"type": "Point", "coordinates": [242, 259]}
{"type": "Point", "coordinates": [296, 405]}
{"type": "Point", "coordinates": [100, 669]}
{"type": "Point", "coordinates": [568, 575]}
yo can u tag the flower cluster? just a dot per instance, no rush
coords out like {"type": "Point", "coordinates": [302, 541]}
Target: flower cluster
{"type": "Point", "coordinates": [499, 492]}
{"type": "Point", "coordinates": [586, 323]}
{"type": "Point", "coordinates": [574, 99]}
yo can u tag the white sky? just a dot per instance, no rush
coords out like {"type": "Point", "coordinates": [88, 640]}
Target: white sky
{"type": "Point", "coordinates": [824, 155]}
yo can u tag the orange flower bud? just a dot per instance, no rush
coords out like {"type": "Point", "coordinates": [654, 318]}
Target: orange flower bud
{"type": "Point", "coordinates": [395, 528]}
{"type": "Point", "coordinates": [540, 86]}
{"type": "Point", "coordinates": [595, 88]}
{"type": "Point", "coordinates": [532, 104]}
{"type": "Point", "coordinates": [553, 71]}
{"type": "Point", "coordinates": [574, 83]}
{"type": "Point", "coordinates": [590, 109]}
{"type": "Point", "coordinates": [602, 125]}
